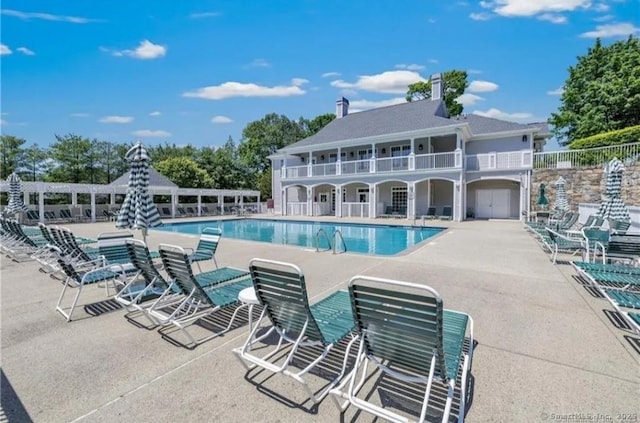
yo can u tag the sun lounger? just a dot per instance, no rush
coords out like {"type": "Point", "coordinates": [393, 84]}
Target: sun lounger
{"type": "Point", "coordinates": [619, 227]}
{"type": "Point", "coordinates": [280, 288]}
{"type": "Point", "coordinates": [431, 213]}
{"type": "Point", "coordinates": [558, 243]}
{"type": "Point", "coordinates": [447, 213]}
{"type": "Point", "coordinates": [407, 334]}
{"type": "Point", "coordinates": [204, 294]}
{"type": "Point", "coordinates": [207, 246]}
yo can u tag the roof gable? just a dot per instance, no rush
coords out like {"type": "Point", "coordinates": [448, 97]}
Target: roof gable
{"type": "Point", "coordinates": [156, 179]}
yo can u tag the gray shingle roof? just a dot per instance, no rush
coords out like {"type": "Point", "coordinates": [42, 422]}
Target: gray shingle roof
{"type": "Point", "coordinates": [156, 179]}
{"type": "Point", "coordinates": [384, 120]}
{"type": "Point", "coordinates": [414, 116]}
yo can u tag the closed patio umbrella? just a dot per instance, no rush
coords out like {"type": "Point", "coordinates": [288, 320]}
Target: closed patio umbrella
{"type": "Point", "coordinates": [138, 210]}
{"type": "Point", "coordinates": [561, 205]}
{"type": "Point", "coordinates": [542, 198]}
{"type": "Point", "coordinates": [15, 196]}
{"type": "Point", "coordinates": [612, 206]}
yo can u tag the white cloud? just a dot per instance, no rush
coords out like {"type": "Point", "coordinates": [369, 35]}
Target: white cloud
{"type": "Point", "coordinates": [330, 74]}
{"type": "Point", "coordinates": [478, 86]}
{"type": "Point", "coordinates": [512, 8]}
{"type": "Point", "coordinates": [146, 50]}
{"type": "Point", "coordinates": [499, 114]}
{"type": "Point", "coordinates": [603, 18]}
{"type": "Point", "coordinates": [601, 7]}
{"type": "Point", "coordinates": [204, 15]}
{"type": "Point", "coordinates": [553, 18]}
{"type": "Point", "coordinates": [149, 133]}
{"type": "Point", "coordinates": [360, 105]}
{"type": "Point", "coordinates": [474, 71]}
{"type": "Point", "coordinates": [389, 82]}
{"type": "Point", "coordinates": [46, 16]}
{"type": "Point", "coordinates": [612, 30]}
{"type": "Point", "coordinates": [3, 122]}
{"type": "Point", "coordinates": [411, 67]}
{"type": "Point", "coordinates": [239, 89]}
{"type": "Point", "coordinates": [4, 49]}
{"type": "Point", "coordinates": [156, 113]}
{"type": "Point", "coordinates": [25, 51]}
{"type": "Point", "coordinates": [557, 91]}
{"type": "Point", "coordinates": [468, 99]}
{"type": "Point", "coordinates": [221, 119]}
{"type": "Point", "coordinates": [433, 61]}
{"type": "Point", "coordinates": [482, 16]}
{"type": "Point", "coordinates": [79, 115]}
{"type": "Point", "coordinates": [116, 119]}
{"type": "Point", "coordinates": [259, 63]}
{"type": "Point", "coordinates": [348, 92]}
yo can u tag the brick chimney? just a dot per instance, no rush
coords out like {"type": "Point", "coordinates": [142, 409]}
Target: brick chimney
{"type": "Point", "coordinates": [342, 107]}
{"type": "Point", "coordinates": [436, 87]}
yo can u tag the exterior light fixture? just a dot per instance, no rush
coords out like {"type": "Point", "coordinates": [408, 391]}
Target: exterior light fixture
{"type": "Point", "coordinates": [420, 147]}
{"type": "Point", "coordinates": [525, 138]}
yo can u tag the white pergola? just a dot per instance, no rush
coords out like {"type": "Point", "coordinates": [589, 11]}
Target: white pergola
{"type": "Point", "coordinates": [41, 188]}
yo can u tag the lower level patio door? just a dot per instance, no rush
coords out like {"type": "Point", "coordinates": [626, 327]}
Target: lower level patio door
{"type": "Point", "coordinates": [493, 204]}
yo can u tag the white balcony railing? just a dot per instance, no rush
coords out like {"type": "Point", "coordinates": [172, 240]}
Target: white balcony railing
{"type": "Point", "coordinates": [436, 161]}
{"type": "Point", "coordinates": [323, 169]}
{"type": "Point", "coordinates": [297, 208]}
{"type": "Point", "coordinates": [297, 172]}
{"type": "Point", "coordinates": [358, 166]}
{"type": "Point", "coordinates": [392, 164]}
{"type": "Point", "coordinates": [355, 209]}
{"type": "Point", "coordinates": [500, 161]}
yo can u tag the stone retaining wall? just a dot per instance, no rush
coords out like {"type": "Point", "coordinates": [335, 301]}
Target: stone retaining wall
{"type": "Point", "coordinates": [584, 185]}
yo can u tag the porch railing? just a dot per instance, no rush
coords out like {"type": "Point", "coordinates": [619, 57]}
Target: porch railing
{"type": "Point", "coordinates": [297, 208]}
{"type": "Point", "coordinates": [567, 159]}
{"type": "Point", "coordinates": [323, 169]}
{"type": "Point", "coordinates": [355, 209]}
{"type": "Point", "coordinates": [436, 161]}
{"type": "Point", "coordinates": [357, 166]}
{"type": "Point", "coordinates": [507, 160]}
{"type": "Point", "coordinates": [392, 164]}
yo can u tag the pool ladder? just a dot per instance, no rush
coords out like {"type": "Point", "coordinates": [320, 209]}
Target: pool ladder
{"type": "Point", "coordinates": [337, 236]}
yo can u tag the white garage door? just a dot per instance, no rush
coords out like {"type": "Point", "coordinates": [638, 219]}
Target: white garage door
{"type": "Point", "coordinates": [493, 204]}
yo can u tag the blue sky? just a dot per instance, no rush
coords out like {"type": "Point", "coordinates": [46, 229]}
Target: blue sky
{"type": "Point", "coordinates": [196, 72]}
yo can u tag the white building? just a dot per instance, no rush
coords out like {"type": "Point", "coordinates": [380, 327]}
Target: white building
{"type": "Point", "coordinates": [407, 158]}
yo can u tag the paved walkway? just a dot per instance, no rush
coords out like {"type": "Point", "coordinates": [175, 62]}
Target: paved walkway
{"type": "Point", "coordinates": [545, 347]}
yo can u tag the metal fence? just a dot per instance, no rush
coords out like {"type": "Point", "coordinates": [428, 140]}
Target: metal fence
{"type": "Point", "coordinates": [570, 159]}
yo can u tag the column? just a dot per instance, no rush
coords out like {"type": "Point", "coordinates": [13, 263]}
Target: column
{"type": "Point", "coordinates": [339, 201]}
{"type": "Point", "coordinates": [309, 201]}
{"type": "Point", "coordinates": [41, 204]}
{"type": "Point", "coordinates": [199, 205]}
{"type": "Point", "coordinates": [242, 203]}
{"type": "Point", "coordinates": [283, 202]}
{"type": "Point", "coordinates": [221, 203]}
{"type": "Point", "coordinates": [428, 194]}
{"type": "Point", "coordinates": [310, 165]}
{"type": "Point", "coordinates": [26, 197]}
{"type": "Point", "coordinates": [456, 199]}
{"type": "Point", "coordinates": [339, 163]}
{"type": "Point", "coordinates": [74, 199]}
{"type": "Point", "coordinates": [259, 205]}
{"type": "Point", "coordinates": [112, 198]}
{"type": "Point", "coordinates": [411, 200]}
{"type": "Point", "coordinates": [373, 201]}
{"type": "Point", "coordinates": [93, 206]}
{"type": "Point", "coordinates": [174, 201]}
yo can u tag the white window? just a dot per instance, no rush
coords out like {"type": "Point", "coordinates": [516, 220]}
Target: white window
{"type": "Point", "coordinates": [323, 197]}
{"type": "Point", "coordinates": [343, 156]}
{"type": "Point", "coordinates": [400, 150]}
{"type": "Point", "coordinates": [399, 199]}
{"type": "Point", "coordinates": [363, 195]}
{"type": "Point", "coordinates": [364, 154]}
{"type": "Point", "coordinates": [333, 157]}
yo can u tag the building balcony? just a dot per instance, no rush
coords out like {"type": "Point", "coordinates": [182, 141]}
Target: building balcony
{"type": "Point", "coordinates": [500, 161]}
{"type": "Point", "coordinates": [450, 160]}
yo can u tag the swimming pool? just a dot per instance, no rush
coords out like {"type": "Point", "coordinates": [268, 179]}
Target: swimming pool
{"type": "Point", "coordinates": [359, 238]}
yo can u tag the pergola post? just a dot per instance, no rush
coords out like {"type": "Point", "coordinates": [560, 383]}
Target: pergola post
{"type": "Point", "coordinates": [174, 201]}
{"type": "Point", "coordinates": [259, 205]}
{"type": "Point", "coordinates": [93, 206]}
{"type": "Point", "coordinates": [41, 203]}
{"type": "Point", "coordinates": [74, 199]}
{"type": "Point", "coordinates": [199, 205]}
{"type": "Point", "coordinates": [221, 203]}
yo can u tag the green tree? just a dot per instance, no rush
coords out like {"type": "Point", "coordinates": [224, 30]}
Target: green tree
{"type": "Point", "coordinates": [263, 137]}
{"type": "Point", "coordinates": [454, 84]}
{"type": "Point", "coordinates": [11, 152]}
{"type": "Point", "coordinates": [111, 160]}
{"type": "Point", "coordinates": [162, 152]}
{"type": "Point", "coordinates": [185, 172]}
{"type": "Point", "coordinates": [70, 153]}
{"type": "Point", "coordinates": [601, 93]}
{"type": "Point", "coordinates": [317, 123]}
{"type": "Point", "coordinates": [33, 164]}
{"type": "Point", "coordinates": [264, 184]}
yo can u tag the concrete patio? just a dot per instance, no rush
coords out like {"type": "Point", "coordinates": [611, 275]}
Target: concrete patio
{"type": "Point", "coordinates": [545, 346]}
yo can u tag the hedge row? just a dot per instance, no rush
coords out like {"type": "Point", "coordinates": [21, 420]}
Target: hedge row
{"type": "Point", "coordinates": [620, 136]}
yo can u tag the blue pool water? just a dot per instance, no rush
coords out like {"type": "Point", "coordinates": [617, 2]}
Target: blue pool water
{"type": "Point", "coordinates": [359, 238]}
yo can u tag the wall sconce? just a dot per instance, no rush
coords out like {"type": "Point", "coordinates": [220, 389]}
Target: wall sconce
{"type": "Point", "coordinates": [525, 138]}
{"type": "Point", "coordinates": [351, 154]}
{"type": "Point", "coordinates": [420, 147]}
{"type": "Point", "coordinates": [302, 159]}
{"type": "Point", "coordinates": [322, 157]}
{"type": "Point", "coordinates": [384, 150]}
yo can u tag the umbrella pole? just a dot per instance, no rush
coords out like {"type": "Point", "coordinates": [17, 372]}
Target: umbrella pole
{"type": "Point", "coordinates": [144, 235]}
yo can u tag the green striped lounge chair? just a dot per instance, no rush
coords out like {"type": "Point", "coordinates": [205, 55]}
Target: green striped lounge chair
{"type": "Point", "coordinates": [207, 246]}
{"type": "Point", "coordinates": [627, 304]}
{"type": "Point", "coordinates": [203, 295]}
{"type": "Point", "coordinates": [619, 227]}
{"type": "Point", "coordinates": [406, 333]}
{"type": "Point", "coordinates": [80, 277]}
{"type": "Point", "coordinates": [558, 243]}
{"type": "Point", "coordinates": [610, 276]}
{"type": "Point", "coordinates": [281, 290]}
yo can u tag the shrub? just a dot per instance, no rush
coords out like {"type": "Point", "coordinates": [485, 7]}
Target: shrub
{"type": "Point", "coordinates": [617, 137]}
